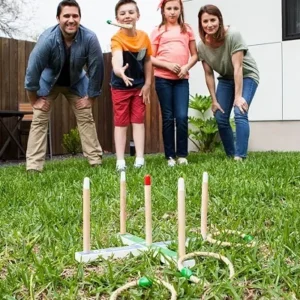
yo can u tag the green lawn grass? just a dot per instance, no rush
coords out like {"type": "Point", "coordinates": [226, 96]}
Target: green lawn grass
{"type": "Point", "coordinates": [41, 227]}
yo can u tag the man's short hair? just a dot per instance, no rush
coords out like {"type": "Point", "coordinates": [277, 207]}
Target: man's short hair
{"type": "Point", "coordinates": [122, 2]}
{"type": "Point", "coordinates": [64, 3]}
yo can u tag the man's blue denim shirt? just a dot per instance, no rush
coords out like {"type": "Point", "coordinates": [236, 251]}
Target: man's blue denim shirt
{"type": "Point", "coordinates": [47, 59]}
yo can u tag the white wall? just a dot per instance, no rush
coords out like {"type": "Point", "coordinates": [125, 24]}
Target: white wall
{"type": "Point", "coordinates": [275, 136]}
{"type": "Point", "coordinates": [258, 20]}
{"type": "Point", "coordinates": [260, 23]}
{"type": "Point", "coordinates": [267, 102]}
{"type": "Point", "coordinates": [291, 79]}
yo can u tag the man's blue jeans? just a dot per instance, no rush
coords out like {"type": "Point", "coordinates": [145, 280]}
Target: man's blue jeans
{"type": "Point", "coordinates": [173, 97]}
{"type": "Point", "coordinates": [225, 96]}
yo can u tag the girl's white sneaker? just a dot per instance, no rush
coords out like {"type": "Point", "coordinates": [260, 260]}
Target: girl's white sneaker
{"type": "Point", "coordinates": [120, 165]}
{"type": "Point", "coordinates": [171, 162]}
{"type": "Point", "coordinates": [139, 162]}
{"type": "Point", "coordinates": [182, 161]}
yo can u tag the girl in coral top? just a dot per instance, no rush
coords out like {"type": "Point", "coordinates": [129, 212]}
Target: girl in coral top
{"type": "Point", "coordinates": [174, 52]}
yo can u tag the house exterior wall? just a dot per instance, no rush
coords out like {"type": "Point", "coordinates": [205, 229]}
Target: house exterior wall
{"type": "Point", "coordinates": [277, 100]}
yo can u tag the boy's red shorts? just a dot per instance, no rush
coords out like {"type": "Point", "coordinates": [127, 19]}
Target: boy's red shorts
{"type": "Point", "coordinates": [128, 106]}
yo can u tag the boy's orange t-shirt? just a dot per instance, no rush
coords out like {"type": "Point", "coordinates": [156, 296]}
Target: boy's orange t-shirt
{"type": "Point", "coordinates": [172, 46]}
{"type": "Point", "coordinates": [135, 50]}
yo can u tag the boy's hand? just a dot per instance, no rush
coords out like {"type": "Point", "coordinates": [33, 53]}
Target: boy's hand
{"type": "Point", "coordinates": [121, 74]}
{"type": "Point", "coordinates": [145, 92]}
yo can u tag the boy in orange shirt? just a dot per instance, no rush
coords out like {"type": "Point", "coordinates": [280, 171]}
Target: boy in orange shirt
{"type": "Point", "coordinates": [130, 81]}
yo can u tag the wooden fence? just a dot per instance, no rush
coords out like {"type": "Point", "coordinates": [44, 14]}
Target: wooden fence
{"type": "Point", "coordinates": [13, 62]}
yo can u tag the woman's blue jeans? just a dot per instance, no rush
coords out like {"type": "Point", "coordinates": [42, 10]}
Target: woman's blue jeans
{"type": "Point", "coordinates": [225, 96]}
{"type": "Point", "coordinates": [173, 96]}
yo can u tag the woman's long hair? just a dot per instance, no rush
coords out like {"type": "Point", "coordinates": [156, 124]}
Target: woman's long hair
{"type": "Point", "coordinates": [211, 10]}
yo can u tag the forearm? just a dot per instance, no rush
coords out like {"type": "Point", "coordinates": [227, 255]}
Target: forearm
{"type": "Point", "coordinates": [238, 81]}
{"type": "Point", "coordinates": [95, 82]}
{"type": "Point", "coordinates": [148, 71]}
{"type": "Point", "coordinates": [32, 76]}
{"type": "Point", "coordinates": [192, 61]}
{"type": "Point", "coordinates": [37, 62]}
{"type": "Point", "coordinates": [158, 63]}
{"type": "Point", "coordinates": [95, 68]}
{"type": "Point", "coordinates": [210, 82]}
{"type": "Point", "coordinates": [117, 64]}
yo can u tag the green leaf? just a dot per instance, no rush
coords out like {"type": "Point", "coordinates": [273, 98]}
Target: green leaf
{"type": "Point", "coordinates": [200, 103]}
{"type": "Point", "coordinates": [71, 142]}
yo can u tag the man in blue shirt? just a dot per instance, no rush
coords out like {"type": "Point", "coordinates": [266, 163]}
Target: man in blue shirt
{"type": "Point", "coordinates": [56, 66]}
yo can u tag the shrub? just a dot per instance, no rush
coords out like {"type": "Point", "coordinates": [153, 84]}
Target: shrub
{"type": "Point", "coordinates": [204, 131]}
{"type": "Point", "coordinates": [72, 142]}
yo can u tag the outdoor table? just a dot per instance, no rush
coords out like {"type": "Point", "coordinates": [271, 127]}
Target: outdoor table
{"type": "Point", "coordinates": [10, 114]}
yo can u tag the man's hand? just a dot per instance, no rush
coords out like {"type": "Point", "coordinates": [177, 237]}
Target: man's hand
{"type": "Point", "coordinates": [145, 92]}
{"type": "Point", "coordinates": [241, 103]}
{"type": "Point", "coordinates": [121, 73]}
{"type": "Point", "coordinates": [83, 103]}
{"type": "Point", "coordinates": [41, 104]}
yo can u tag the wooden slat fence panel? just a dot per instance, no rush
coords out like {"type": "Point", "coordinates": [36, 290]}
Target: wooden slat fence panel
{"type": "Point", "coordinates": [103, 112]}
{"type": "Point", "coordinates": [14, 56]}
{"type": "Point", "coordinates": [6, 102]}
{"type": "Point", "coordinates": [1, 89]}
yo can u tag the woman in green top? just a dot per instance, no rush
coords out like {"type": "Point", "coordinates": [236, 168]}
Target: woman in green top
{"type": "Point", "coordinates": [223, 50]}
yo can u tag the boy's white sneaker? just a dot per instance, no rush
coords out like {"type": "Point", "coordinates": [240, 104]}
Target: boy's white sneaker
{"type": "Point", "coordinates": [139, 162]}
{"type": "Point", "coordinates": [182, 161]}
{"type": "Point", "coordinates": [171, 162]}
{"type": "Point", "coordinates": [120, 165]}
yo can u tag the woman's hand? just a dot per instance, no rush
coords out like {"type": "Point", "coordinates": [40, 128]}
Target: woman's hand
{"type": "Point", "coordinates": [216, 106]}
{"type": "Point", "coordinates": [241, 103]}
